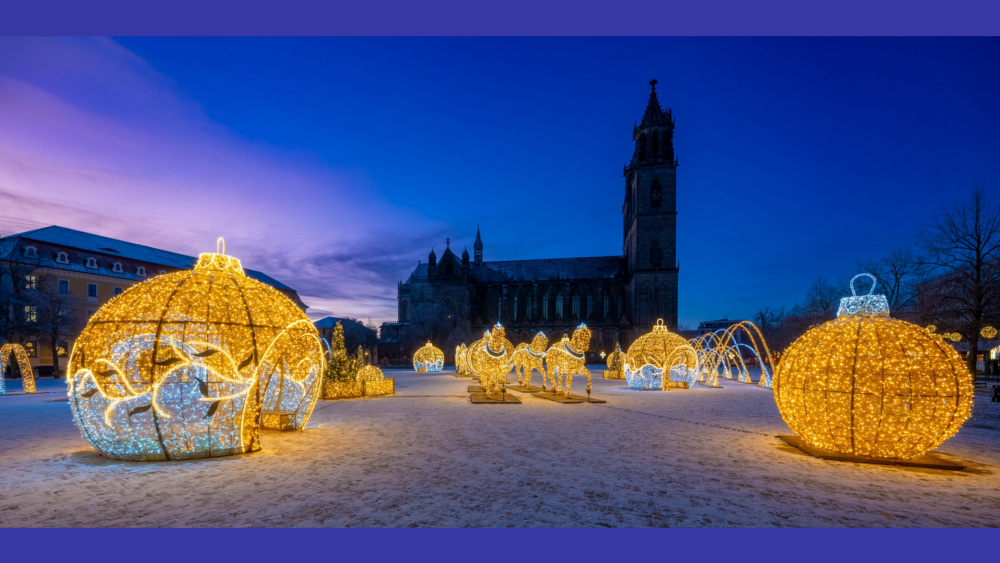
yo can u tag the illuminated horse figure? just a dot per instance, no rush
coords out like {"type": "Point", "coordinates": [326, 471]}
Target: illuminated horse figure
{"type": "Point", "coordinates": [16, 352]}
{"type": "Point", "coordinates": [528, 357]}
{"type": "Point", "coordinates": [492, 360]}
{"type": "Point", "coordinates": [460, 367]}
{"type": "Point", "coordinates": [566, 359]}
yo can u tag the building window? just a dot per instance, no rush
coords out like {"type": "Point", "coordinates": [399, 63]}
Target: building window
{"type": "Point", "coordinates": [545, 306]}
{"type": "Point", "coordinates": [642, 147]}
{"type": "Point", "coordinates": [590, 305]}
{"type": "Point", "coordinates": [528, 306]}
{"type": "Point", "coordinates": [63, 286]}
{"type": "Point", "coordinates": [30, 282]}
{"type": "Point", "coordinates": [499, 308]}
{"type": "Point", "coordinates": [62, 258]}
{"type": "Point", "coordinates": [655, 194]}
{"type": "Point", "coordinates": [31, 252]}
{"type": "Point", "coordinates": [30, 314]}
{"type": "Point", "coordinates": [576, 305]}
{"type": "Point", "coordinates": [655, 255]}
{"type": "Point", "coordinates": [606, 305]}
{"type": "Point", "coordinates": [403, 314]}
{"type": "Point", "coordinates": [515, 307]}
{"type": "Point", "coordinates": [117, 268]}
{"type": "Point", "coordinates": [91, 262]}
{"type": "Point", "coordinates": [92, 290]}
{"type": "Point", "coordinates": [559, 306]}
{"type": "Point", "coordinates": [140, 271]}
{"type": "Point", "coordinates": [656, 146]}
{"type": "Point", "coordinates": [621, 305]}
{"type": "Point", "coordinates": [31, 349]}
{"type": "Point", "coordinates": [118, 291]}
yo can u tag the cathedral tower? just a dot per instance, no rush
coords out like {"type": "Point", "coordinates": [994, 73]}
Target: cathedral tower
{"type": "Point", "coordinates": [649, 217]}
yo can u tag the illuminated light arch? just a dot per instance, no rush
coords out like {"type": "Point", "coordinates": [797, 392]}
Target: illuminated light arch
{"type": "Point", "coordinates": [17, 352]}
{"type": "Point", "coordinates": [192, 364]}
{"type": "Point", "coordinates": [428, 358]}
{"type": "Point", "coordinates": [660, 359]}
{"type": "Point", "coordinates": [869, 385]}
{"type": "Point", "coordinates": [566, 359]}
{"type": "Point", "coordinates": [529, 357]}
{"type": "Point", "coordinates": [720, 349]}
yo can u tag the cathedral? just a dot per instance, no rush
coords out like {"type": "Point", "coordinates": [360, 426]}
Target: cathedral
{"type": "Point", "coordinates": [618, 297]}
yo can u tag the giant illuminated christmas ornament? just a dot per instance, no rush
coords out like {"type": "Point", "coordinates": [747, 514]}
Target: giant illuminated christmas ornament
{"type": "Point", "coordinates": [10, 353]}
{"type": "Point", "coordinates": [659, 360]}
{"type": "Point", "coordinates": [491, 359]}
{"type": "Point", "coordinates": [616, 364]}
{"type": "Point", "coordinates": [566, 359]}
{"type": "Point", "coordinates": [723, 352]}
{"type": "Point", "coordinates": [428, 358]}
{"type": "Point", "coordinates": [528, 357]}
{"type": "Point", "coordinates": [191, 364]}
{"type": "Point", "coordinates": [471, 353]}
{"type": "Point", "coordinates": [869, 385]}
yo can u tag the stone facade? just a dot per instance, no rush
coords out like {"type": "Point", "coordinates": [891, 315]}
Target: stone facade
{"type": "Point", "coordinates": [619, 297]}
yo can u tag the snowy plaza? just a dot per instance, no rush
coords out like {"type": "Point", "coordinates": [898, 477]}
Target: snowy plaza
{"type": "Point", "coordinates": [428, 457]}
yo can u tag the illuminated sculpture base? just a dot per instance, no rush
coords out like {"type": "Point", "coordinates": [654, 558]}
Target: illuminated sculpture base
{"type": "Point", "coordinates": [651, 378]}
{"type": "Point", "coordinates": [429, 366]}
{"type": "Point", "coordinates": [927, 461]}
{"type": "Point", "coordinates": [567, 399]}
{"type": "Point", "coordinates": [609, 374]}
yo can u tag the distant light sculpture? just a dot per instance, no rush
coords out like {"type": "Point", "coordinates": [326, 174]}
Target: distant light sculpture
{"type": "Point", "coordinates": [988, 332]}
{"type": "Point", "coordinates": [616, 364]}
{"type": "Point", "coordinates": [460, 367]}
{"type": "Point", "coordinates": [722, 351]}
{"type": "Point", "coordinates": [470, 368]}
{"type": "Point", "coordinates": [568, 358]}
{"type": "Point", "coordinates": [428, 358]}
{"type": "Point", "coordinates": [869, 385]}
{"type": "Point", "coordinates": [10, 353]}
{"type": "Point", "coordinates": [660, 359]}
{"type": "Point", "coordinates": [191, 364]}
{"type": "Point", "coordinates": [528, 357]}
{"type": "Point", "coordinates": [491, 359]}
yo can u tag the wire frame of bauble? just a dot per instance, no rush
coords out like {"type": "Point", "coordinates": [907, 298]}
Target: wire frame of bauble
{"type": "Point", "coordinates": [428, 358]}
{"type": "Point", "coordinates": [9, 354]}
{"type": "Point", "coordinates": [470, 353]}
{"type": "Point", "coordinates": [869, 385]}
{"type": "Point", "coordinates": [658, 357]}
{"type": "Point", "coordinates": [191, 364]}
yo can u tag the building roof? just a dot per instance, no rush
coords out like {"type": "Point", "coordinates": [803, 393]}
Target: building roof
{"type": "Point", "coordinates": [89, 242]}
{"type": "Point", "coordinates": [595, 267]}
{"type": "Point", "coordinates": [419, 273]}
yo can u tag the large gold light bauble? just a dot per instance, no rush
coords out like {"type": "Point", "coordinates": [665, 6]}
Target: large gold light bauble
{"type": "Point", "coordinates": [659, 358]}
{"type": "Point", "coordinates": [189, 364]}
{"type": "Point", "coordinates": [870, 385]}
{"type": "Point", "coordinates": [428, 358]}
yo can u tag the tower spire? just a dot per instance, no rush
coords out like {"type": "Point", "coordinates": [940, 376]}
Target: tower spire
{"type": "Point", "coordinates": [477, 248]}
{"type": "Point", "coordinates": [654, 112]}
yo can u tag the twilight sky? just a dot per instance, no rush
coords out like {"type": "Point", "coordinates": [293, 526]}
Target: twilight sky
{"type": "Point", "coordinates": [334, 164]}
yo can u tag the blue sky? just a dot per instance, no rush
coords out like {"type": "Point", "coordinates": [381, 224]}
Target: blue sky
{"type": "Point", "coordinates": [334, 164]}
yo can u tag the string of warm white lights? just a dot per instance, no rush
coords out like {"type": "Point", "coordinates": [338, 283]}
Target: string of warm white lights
{"type": "Point", "coordinates": [191, 364]}
{"type": "Point", "coordinates": [17, 352]}
{"type": "Point", "coordinates": [428, 358]}
{"type": "Point", "coordinates": [870, 385]}
{"type": "Point", "coordinates": [528, 357]}
{"type": "Point", "coordinates": [566, 359]}
{"type": "Point", "coordinates": [660, 359]}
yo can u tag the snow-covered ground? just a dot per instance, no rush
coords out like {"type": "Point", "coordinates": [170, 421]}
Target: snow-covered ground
{"type": "Point", "coordinates": [428, 457]}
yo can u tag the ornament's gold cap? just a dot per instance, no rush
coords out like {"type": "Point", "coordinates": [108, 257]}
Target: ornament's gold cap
{"type": "Point", "coordinates": [659, 325]}
{"type": "Point", "coordinates": [219, 262]}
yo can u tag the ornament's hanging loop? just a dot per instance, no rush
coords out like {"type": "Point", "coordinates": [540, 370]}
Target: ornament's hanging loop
{"type": "Point", "coordinates": [871, 290]}
{"type": "Point", "coordinates": [220, 246]}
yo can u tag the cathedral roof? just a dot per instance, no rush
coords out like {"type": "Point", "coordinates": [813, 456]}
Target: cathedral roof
{"type": "Point", "coordinates": [654, 113]}
{"type": "Point", "coordinates": [548, 269]}
{"type": "Point", "coordinates": [419, 273]}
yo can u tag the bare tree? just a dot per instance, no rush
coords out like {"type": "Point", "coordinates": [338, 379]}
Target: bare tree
{"type": "Point", "coordinates": [823, 298]}
{"type": "Point", "coordinates": [16, 284]}
{"type": "Point", "coordinates": [962, 247]}
{"type": "Point", "coordinates": [57, 316]}
{"type": "Point", "coordinates": [899, 276]}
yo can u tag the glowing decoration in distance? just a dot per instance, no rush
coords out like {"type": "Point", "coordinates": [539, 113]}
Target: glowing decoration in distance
{"type": "Point", "coordinates": [931, 328]}
{"type": "Point", "coordinates": [953, 336]}
{"type": "Point", "coordinates": [528, 357]}
{"type": "Point", "coordinates": [722, 351]}
{"type": "Point", "coordinates": [16, 352]}
{"type": "Point", "coordinates": [988, 332]}
{"type": "Point", "coordinates": [566, 359]}
{"type": "Point", "coordinates": [660, 359]}
{"type": "Point", "coordinates": [491, 359]}
{"type": "Point", "coordinates": [428, 358]}
{"type": "Point", "coordinates": [869, 385]}
{"type": "Point", "coordinates": [460, 366]}
{"type": "Point", "coordinates": [616, 364]}
{"type": "Point", "coordinates": [190, 364]}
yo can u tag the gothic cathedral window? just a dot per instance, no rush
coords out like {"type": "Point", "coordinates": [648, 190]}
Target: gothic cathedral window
{"type": "Point", "coordinates": [515, 308]}
{"type": "Point", "coordinates": [655, 255]}
{"type": "Point", "coordinates": [576, 305]}
{"type": "Point", "coordinates": [545, 305]}
{"type": "Point", "coordinates": [642, 147]}
{"type": "Point", "coordinates": [656, 146]}
{"type": "Point", "coordinates": [605, 305]}
{"type": "Point", "coordinates": [590, 305]}
{"type": "Point", "coordinates": [655, 194]}
{"type": "Point", "coordinates": [559, 306]}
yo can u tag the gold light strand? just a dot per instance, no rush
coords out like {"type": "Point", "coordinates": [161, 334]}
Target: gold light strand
{"type": "Point", "coordinates": [428, 358]}
{"type": "Point", "coordinates": [192, 364]}
{"type": "Point", "coordinates": [870, 385]}
{"type": "Point", "coordinates": [17, 352]}
{"type": "Point", "coordinates": [566, 359]}
{"type": "Point", "coordinates": [529, 357]}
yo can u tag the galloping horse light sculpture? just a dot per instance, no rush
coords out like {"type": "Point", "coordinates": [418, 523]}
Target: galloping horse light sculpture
{"type": "Point", "coordinates": [568, 358]}
{"type": "Point", "coordinates": [528, 357]}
